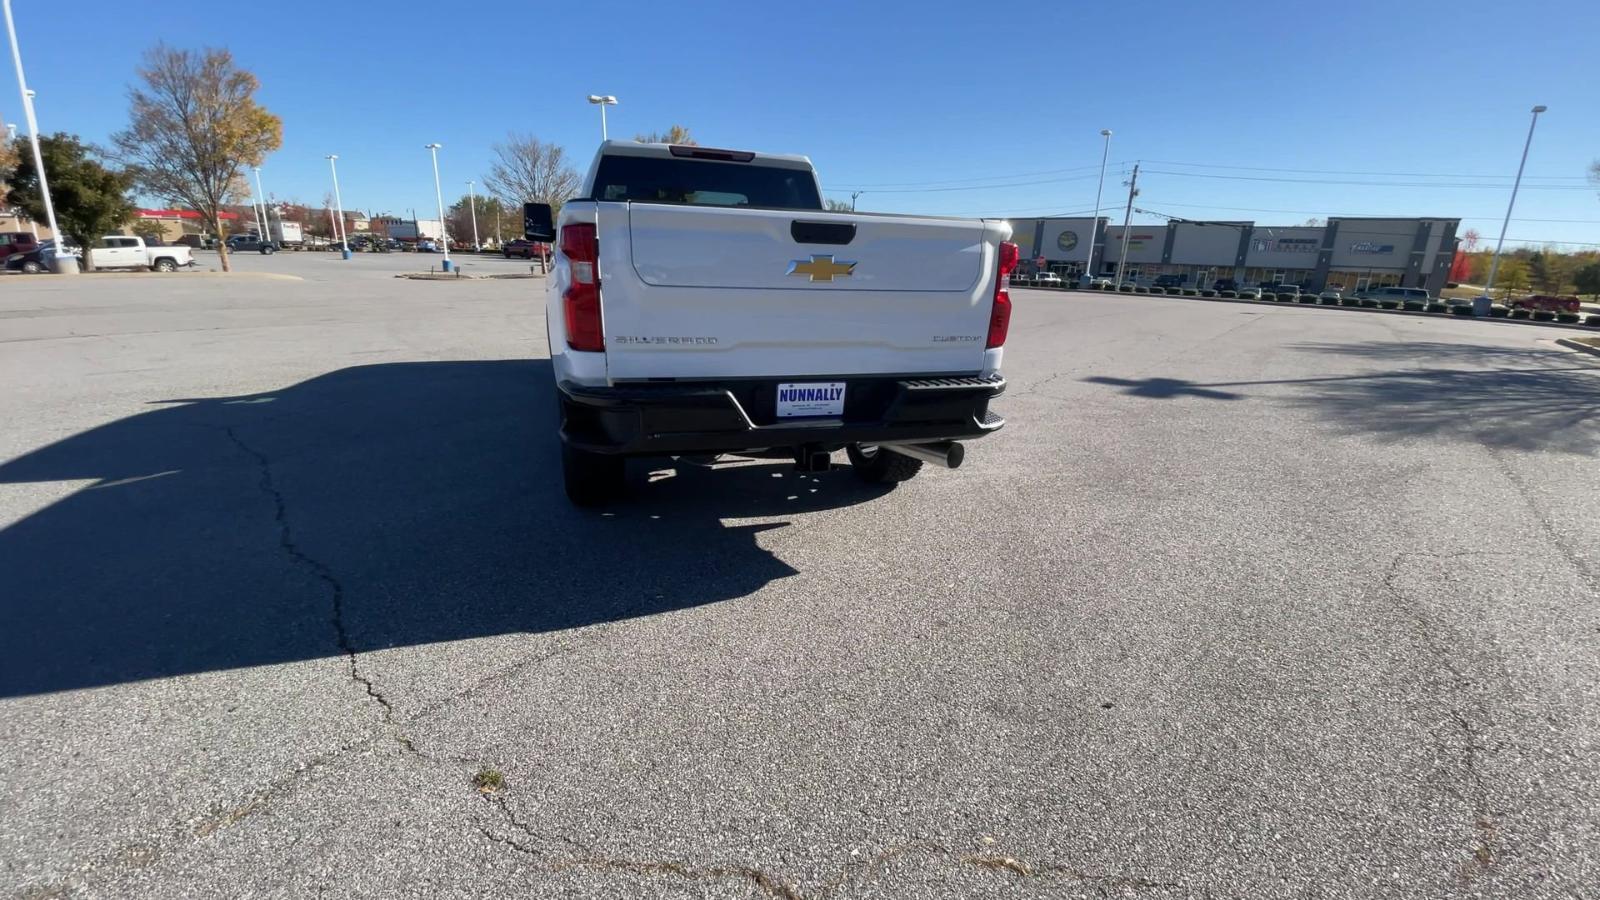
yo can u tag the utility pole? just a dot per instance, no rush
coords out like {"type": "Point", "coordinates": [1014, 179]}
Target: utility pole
{"type": "Point", "coordinates": [1482, 305]}
{"type": "Point", "coordinates": [1127, 217]}
{"type": "Point", "coordinates": [1094, 226]}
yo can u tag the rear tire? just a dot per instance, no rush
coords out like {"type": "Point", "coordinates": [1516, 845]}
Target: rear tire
{"type": "Point", "coordinates": [165, 265]}
{"type": "Point", "coordinates": [591, 479]}
{"type": "Point", "coordinates": [32, 268]}
{"type": "Point", "coordinates": [876, 465]}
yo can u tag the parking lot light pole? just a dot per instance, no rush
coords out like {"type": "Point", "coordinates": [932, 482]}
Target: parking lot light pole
{"type": "Point", "coordinates": [1094, 224]}
{"type": "Point", "coordinates": [338, 204]}
{"type": "Point", "coordinates": [261, 217]}
{"type": "Point", "coordinates": [603, 101]}
{"type": "Point", "coordinates": [1481, 306]}
{"type": "Point", "coordinates": [438, 194]}
{"type": "Point", "coordinates": [60, 262]}
{"type": "Point", "coordinates": [472, 204]}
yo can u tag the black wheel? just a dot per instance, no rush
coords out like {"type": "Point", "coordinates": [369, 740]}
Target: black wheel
{"type": "Point", "coordinates": [166, 265]}
{"type": "Point", "coordinates": [267, 250]}
{"type": "Point", "coordinates": [591, 479]}
{"type": "Point", "coordinates": [876, 465]}
{"type": "Point", "coordinates": [32, 268]}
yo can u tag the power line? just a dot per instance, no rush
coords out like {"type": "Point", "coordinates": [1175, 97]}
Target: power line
{"type": "Point", "coordinates": [897, 184]}
{"type": "Point", "coordinates": [940, 190]}
{"type": "Point", "coordinates": [1421, 184]}
{"type": "Point", "coordinates": [1318, 212]}
{"type": "Point", "coordinates": [1168, 162]}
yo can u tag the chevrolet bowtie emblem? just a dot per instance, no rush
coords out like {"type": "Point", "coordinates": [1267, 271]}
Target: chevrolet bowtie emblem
{"type": "Point", "coordinates": [821, 267]}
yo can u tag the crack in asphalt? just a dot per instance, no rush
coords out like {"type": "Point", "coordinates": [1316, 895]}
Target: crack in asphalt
{"type": "Point", "coordinates": [773, 885]}
{"type": "Point", "coordinates": [1486, 838]}
{"type": "Point", "coordinates": [322, 572]}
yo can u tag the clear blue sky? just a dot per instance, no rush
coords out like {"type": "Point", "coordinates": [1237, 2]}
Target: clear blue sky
{"type": "Point", "coordinates": [969, 95]}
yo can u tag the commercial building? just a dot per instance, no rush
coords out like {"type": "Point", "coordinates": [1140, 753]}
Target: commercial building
{"type": "Point", "coordinates": [172, 224]}
{"type": "Point", "coordinates": [1345, 254]}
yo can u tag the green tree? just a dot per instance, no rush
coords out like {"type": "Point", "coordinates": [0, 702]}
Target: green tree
{"type": "Point", "coordinates": [194, 129]}
{"type": "Point", "coordinates": [90, 198]}
{"type": "Point", "coordinates": [1548, 271]}
{"type": "Point", "coordinates": [146, 228]}
{"type": "Point", "coordinates": [1588, 279]}
{"type": "Point", "coordinates": [675, 134]}
{"type": "Point", "coordinates": [1512, 277]}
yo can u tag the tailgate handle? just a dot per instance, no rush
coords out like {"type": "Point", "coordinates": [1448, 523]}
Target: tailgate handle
{"type": "Point", "coordinates": [822, 232]}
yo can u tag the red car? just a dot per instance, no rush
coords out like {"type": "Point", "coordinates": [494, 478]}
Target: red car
{"type": "Point", "coordinates": [1547, 303]}
{"type": "Point", "coordinates": [17, 242]}
{"type": "Point", "coordinates": [525, 249]}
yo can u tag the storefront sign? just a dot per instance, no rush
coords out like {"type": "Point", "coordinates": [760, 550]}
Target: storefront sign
{"type": "Point", "coordinates": [1370, 247]}
{"type": "Point", "coordinates": [1067, 240]}
{"type": "Point", "coordinates": [1285, 245]}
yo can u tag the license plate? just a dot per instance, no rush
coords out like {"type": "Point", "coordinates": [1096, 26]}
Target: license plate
{"type": "Point", "coordinates": [824, 398]}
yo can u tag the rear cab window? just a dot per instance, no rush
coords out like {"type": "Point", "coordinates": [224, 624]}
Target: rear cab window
{"type": "Point", "coordinates": [696, 182]}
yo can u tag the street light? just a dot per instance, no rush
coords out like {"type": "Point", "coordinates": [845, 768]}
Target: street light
{"type": "Point", "coordinates": [60, 262]}
{"type": "Point", "coordinates": [261, 196]}
{"type": "Point", "coordinates": [438, 193]}
{"type": "Point", "coordinates": [472, 203]}
{"type": "Point", "coordinates": [603, 101]}
{"type": "Point", "coordinates": [1481, 305]}
{"type": "Point", "coordinates": [338, 204]}
{"type": "Point", "coordinates": [1094, 224]}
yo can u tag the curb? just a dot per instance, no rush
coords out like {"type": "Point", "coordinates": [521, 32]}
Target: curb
{"type": "Point", "coordinates": [1571, 344]}
{"type": "Point", "coordinates": [1586, 329]}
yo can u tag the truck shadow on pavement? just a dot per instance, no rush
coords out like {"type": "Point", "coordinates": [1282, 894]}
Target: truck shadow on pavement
{"type": "Point", "coordinates": [371, 507]}
{"type": "Point", "coordinates": [1498, 397]}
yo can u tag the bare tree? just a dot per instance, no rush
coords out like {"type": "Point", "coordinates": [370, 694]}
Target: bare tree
{"type": "Point", "coordinates": [194, 129]}
{"type": "Point", "coordinates": [675, 134]}
{"type": "Point", "coordinates": [528, 170]}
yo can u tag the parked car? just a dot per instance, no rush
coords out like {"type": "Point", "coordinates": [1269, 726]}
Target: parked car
{"type": "Point", "coordinates": [39, 258]}
{"type": "Point", "coordinates": [1392, 297]}
{"type": "Point", "coordinates": [1250, 293]}
{"type": "Point", "coordinates": [17, 242]}
{"type": "Point", "coordinates": [1547, 303]}
{"type": "Point", "coordinates": [525, 248]}
{"type": "Point", "coordinates": [427, 245]}
{"type": "Point", "coordinates": [1101, 281]}
{"type": "Point", "coordinates": [1047, 279]}
{"type": "Point", "coordinates": [1330, 294]}
{"type": "Point", "coordinates": [1169, 281]}
{"type": "Point", "coordinates": [1292, 290]}
{"type": "Point", "coordinates": [1225, 284]}
{"type": "Point", "coordinates": [121, 251]}
{"type": "Point", "coordinates": [247, 243]}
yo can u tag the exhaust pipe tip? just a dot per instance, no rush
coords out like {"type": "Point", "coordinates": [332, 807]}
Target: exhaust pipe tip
{"type": "Point", "coordinates": [948, 454]}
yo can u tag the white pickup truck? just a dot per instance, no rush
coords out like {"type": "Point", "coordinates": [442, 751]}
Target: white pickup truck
{"type": "Point", "coordinates": [121, 251]}
{"type": "Point", "coordinates": [703, 301]}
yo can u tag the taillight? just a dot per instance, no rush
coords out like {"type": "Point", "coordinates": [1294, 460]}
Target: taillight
{"type": "Point", "coordinates": [1000, 315]}
{"type": "Point", "coordinates": [582, 299]}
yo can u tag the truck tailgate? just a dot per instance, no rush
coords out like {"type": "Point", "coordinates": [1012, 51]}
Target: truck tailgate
{"type": "Point", "coordinates": [712, 292]}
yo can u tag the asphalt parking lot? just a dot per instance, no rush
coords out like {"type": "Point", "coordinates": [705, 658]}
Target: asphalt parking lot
{"type": "Point", "coordinates": [1243, 602]}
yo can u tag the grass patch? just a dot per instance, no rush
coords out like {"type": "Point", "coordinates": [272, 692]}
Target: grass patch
{"type": "Point", "coordinates": [489, 781]}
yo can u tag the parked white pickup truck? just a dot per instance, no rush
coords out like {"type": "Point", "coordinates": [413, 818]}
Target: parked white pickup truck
{"type": "Point", "coordinates": [120, 251]}
{"type": "Point", "coordinates": [703, 301]}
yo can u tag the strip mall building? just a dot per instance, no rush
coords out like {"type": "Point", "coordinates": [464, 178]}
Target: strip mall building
{"type": "Point", "coordinates": [1345, 254]}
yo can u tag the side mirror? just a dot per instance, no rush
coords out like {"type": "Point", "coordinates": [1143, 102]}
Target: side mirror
{"type": "Point", "coordinates": [538, 223]}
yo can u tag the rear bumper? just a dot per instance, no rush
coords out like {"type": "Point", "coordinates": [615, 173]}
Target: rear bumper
{"type": "Point", "coordinates": [725, 417]}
